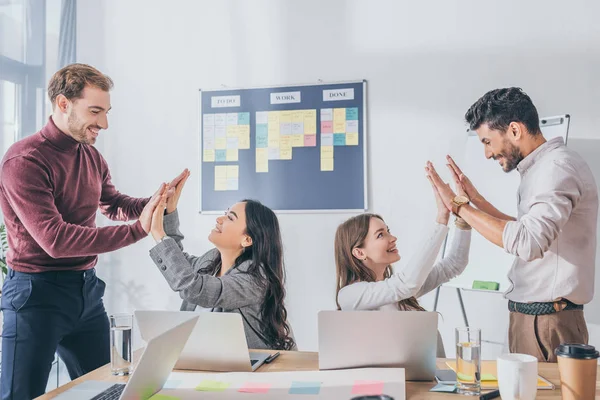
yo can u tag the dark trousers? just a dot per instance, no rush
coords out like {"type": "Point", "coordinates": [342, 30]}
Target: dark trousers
{"type": "Point", "coordinates": [45, 313]}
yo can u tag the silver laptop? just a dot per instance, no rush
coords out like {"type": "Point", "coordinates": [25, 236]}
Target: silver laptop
{"type": "Point", "coordinates": [217, 343]}
{"type": "Point", "coordinates": [150, 374]}
{"type": "Point", "coordinates": [356, 339]}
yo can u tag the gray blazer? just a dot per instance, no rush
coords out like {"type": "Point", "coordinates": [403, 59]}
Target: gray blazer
{"type": "Point", "coordinates": [235, 291]}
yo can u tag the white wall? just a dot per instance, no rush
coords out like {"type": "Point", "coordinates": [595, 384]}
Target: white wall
{"type": "Point", "coordinates": [426, 63]}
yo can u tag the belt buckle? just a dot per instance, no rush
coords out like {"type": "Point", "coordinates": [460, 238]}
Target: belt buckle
{"type": "Point", "coordinates": [559, 305]}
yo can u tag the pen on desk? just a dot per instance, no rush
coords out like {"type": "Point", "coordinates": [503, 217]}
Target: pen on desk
{"type": "Point", "coordinates": [490, 395]}
{"type": "Point", "coordinates": [271, 358]}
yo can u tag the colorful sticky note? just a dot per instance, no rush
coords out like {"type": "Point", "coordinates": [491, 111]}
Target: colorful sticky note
{"type": "Point", "coordinates": [232, 119]}
{"type": "Point", "coordinates": [326, 164]}
{"type": "Point", "coordinates": [232, 130]}
{"type": "Point", "coordinates": [310, 126]}
{"type": "Point", "coordinates": [232, 155]}
{"type": "Point", "coordinates": [351, 139]}
{"type": "Point", "coordinates": [352, 126]}
{"type": "Point", "coordinates": [212, 386]}
{"type": "Point", "coordinates": [220, 131]}
{"type": "Point", "coordinates": [262, 117]}
{"type": "Point", "coordinates": [327, 139]}
{"type": "Point", "coordinates": [243, 118]}
{"type": "Point", "coordinates": [368, 387]}
{"type": "Point", "coordinates": [273, 129]}
{"type": "Point", "coordinates": [262, 129]}
{"type": "Point", "coordinates": [297, 128]}
{"type": "Point", "coordinates": [274, 117]}
{"type": "Point", "coordinates": [208, 119]}
{"type": "Point", "coordinates": [243, 130]}
{"type": "Point", "coordinates": [262, 140]}
{"type": "Point", "coordinates": [255, 387]}
{"type": "Point", "coordinates": [220, 155]}
{"type": "Point", "coordinates": [233, 171]}
{"type": "Point", "coordinates": [285, 128]}
{"type": "Point", "coordinates": [326, 114]}
{"type": "Point", "coordinates": [351, 113]}
{"type": "Point", "coordinates": [339, 127]}
{"type": "Point", "coordinates": [221, 143]}
{"type": "Point", "coordinates": [297, 116]}
{"type": "Point", "coordinates": [310, 140]}
{"type": "Point", "coordinates": [220, 119]}
{"type": "Point", "coordinates": [310, 114]}
{"type": "Point", "coordinates": [285, 117]}
{"type": "Point", "coordinates": [274, 141]}
{"type": "Point", "coordinates": [220, 184]}
{"type": "Point", "coordinates": [339, 139]}
{"type": "Point", "coordinates": [232, 184]}
{"type": "Point", "coordinates": [208, 130]}
{"type": "Point", "coordinates": [221, 172]}
{"type": "Point", "coordinates": [273, 153]}
{"type": "Point", "coordinates": [232, 143]}
{"type": "Point", "coordinates": [326, 151]}
{"type": "Point", "coordinates": [339, 115]}
{"type": "Point", "coordinates": [209, 155]}
{"type": "Point", "coordinates": [297, 140]}
{"type": "Point", "coordinates": [244, 141]}
{"type": "Point", "coordinates": [326, 127]}
{"type": "Point", "coordinates": [159, 396]}
{"type": "Point", "coordinates": [305, 388]}
{"type": "Point", "coordinates": [285, 142]}
{"type": "Point", "coordinates": [285, 154]}
{"type": "Point", "coordinates": [262, 160]}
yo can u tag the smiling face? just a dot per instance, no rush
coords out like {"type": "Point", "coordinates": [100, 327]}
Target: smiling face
{"type": "Point", "coordinates": [499, 146]}
{"type": "Point", "coordinates": [86, 115]}
{"type": "Point", "coordinates": [379, 246]}
{"type": "Point", "coordinates": [229, 232]}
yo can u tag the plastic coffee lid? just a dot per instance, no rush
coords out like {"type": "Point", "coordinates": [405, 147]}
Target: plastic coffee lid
{"type": "Point", "coordinates": [578, 351]}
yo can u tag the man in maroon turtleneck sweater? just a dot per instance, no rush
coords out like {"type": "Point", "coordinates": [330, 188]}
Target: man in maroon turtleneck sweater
{"type": "Point", "coordinates": [51, 186]}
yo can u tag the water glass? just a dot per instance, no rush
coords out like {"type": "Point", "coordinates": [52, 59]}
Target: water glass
{"type": "Point", "coordinates": [468, 361]}
{"type": "Point", "coordinates": [121, 326]}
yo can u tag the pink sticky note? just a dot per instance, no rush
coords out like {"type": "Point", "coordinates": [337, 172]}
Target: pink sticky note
{"type": "Point", "coordinates": [326, 126]}
{"type": "Point", "coordinates": [310, 140]}
{"type": "Point", "coordinates": [367, 387]}
{"type": "Point", "coordinates": [253, 387]}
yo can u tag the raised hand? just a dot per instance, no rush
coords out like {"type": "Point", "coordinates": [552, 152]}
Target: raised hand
{"type": "Point", "coordinates": [443, 213]}
{"type": "Point", "coordinates": [176, 186]}
{"type": "Point", "coordinates": [157, 230]}
{"type": "Point", "coordinates": [444, 190]}
{"type": "Point", "coordinates": [146, 215]}
{"type": "Point", "coordinates": [464, 186]}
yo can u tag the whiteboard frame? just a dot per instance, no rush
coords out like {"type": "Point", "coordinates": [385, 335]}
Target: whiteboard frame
{"type": "Point", "coordinates": [317, 211]}
{"type": "Point", "coordinates": [546, 121]}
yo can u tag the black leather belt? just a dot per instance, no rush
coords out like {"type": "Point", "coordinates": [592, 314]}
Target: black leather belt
{"type": "Point", "coordinates": [543, 308]}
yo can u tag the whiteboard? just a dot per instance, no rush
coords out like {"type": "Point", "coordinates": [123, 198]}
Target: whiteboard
{"type": "Point", "coordinates": [488, 262]}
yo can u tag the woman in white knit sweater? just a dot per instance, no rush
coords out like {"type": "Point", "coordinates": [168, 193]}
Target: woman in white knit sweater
{"type": "Point", "coordinates": [365, 250]}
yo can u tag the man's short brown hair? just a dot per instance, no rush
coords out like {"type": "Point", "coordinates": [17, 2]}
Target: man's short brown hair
{"type": "Point", "coordinates": [72, 79]}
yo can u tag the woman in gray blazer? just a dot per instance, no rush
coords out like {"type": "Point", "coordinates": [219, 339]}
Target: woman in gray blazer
{"type": "Point", "coordinates": [244, 273]}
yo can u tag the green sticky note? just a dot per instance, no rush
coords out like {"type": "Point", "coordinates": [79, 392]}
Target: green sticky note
{"type": "Point", "coordinates": [159, 396]}
{"type": "Point", "coordinates": [464, 377]}
{"type": "Point", "coordinates": [486, 285]}
{"type": "Point", "coordinates": [488, 377]}
{"type": "Point", "coordinates": [212, 386]}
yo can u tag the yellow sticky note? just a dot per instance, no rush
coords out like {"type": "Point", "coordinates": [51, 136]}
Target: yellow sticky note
{"type": "Point", "coordinates": [274, 140]}
{"type": "Point", "coordinates": [285, 117]}
{"type": "Point", "coordinates": [220, 143]}
{"type": "Point", "coordinates": [285, 142]}
{"type": "Point", "coordinates": [220, 172]}
{"type": "Point", "coordinates": [273, 118]}
{"type": "Point", "coordinates": [209, 156]}
{"type": "Point", "coordinates": [220, 184]}
{"type": "Point", "coordinates": [244, 141]}
{"type": "Point", "coordinates": [262, 160]}
{"type": "Point", "coordinates": [232, 155]}
{"type": "Point", "coordinates": [351, 139]}
{"type": "Point", "coordinates": [232, 130]}
{"type": "Point", "coordinates": [310, 114]}
{"type": "Point", "coordinates": [339, 114]}
{"type": "Point", "coordinates": [327, 152]}
{"type": "Point", "coordinates": [273, 129]}
{"type": "Point", "coordinates": [243, 130]}
{"type": "Point", "coordinates": [212, 386]}
{"type": "Point", "coordinates": [233, 171]}
{"type": "Point", "coordinates": [310, 125]}
{"type": "Point", "coordinates": [326, 164]}
{"type": "Point", "coordinates": [298, 116]}
{"type": "Point", "coordinates": [160, 396]}
{"type": "Point", "coordinates": [339, 127]}
{"type": "Point", "coordinates": [285, 154]}
{"type": "Point", "coordinates": [297, 140]}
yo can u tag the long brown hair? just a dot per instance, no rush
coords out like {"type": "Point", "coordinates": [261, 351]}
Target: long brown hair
{"type": "Point", "coordinates": [349, 269]}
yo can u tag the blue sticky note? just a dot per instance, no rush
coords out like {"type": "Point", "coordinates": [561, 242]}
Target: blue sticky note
{"type": "Point", "coordinates": [220, 155]}
{"type": "Point", "coordinates": [351, 114]}
{"type": "Point", "coordinates": [232, 184]}
{"type": "Point", "coordinates": [339, 139]}
{"type": "Point", "coordinates": [244, 118]}
{"type": "Point", "coordinates": [305, 388]}
{"type": "Point", "coordinates": [262, 129]}
{"type": "Point", "coordinates": [262, 142]}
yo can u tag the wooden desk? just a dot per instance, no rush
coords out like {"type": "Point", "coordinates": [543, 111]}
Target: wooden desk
{"type": "Point", "coordinates": [307, 361]}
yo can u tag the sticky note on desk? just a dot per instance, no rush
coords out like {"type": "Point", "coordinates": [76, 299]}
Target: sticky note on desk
{"type": "Point", "coordinates": [305, 387]}
{"type": "Point", "coordinates": [159, 396]}
{"type": "Point", "coordinates": [255, 387]}
{"type": "Point", "coordinates": [368, 387]}
{"type": "Point", "coordinates": [212, 386]}
{"type": "Point", "coordinates": [486, 285]}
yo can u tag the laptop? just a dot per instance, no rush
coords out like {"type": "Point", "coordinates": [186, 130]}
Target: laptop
{"type": "Point", "coordinates": [150, 374]}
{"type": "Point", "coordinates": [217, 343]}
{"type": "Point", "coordinates": [356, 339]}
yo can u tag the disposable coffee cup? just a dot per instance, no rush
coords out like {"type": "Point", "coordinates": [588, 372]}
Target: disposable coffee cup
{"type": "Point", "coordinates": [577, 365]}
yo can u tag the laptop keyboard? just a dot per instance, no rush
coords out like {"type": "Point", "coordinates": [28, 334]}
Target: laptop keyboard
{"type": "Point", "coordinates": [112, 393]}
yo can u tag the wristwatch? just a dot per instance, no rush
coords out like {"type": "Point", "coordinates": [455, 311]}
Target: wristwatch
{"type": "Point", "coordinates": [458, 202]}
